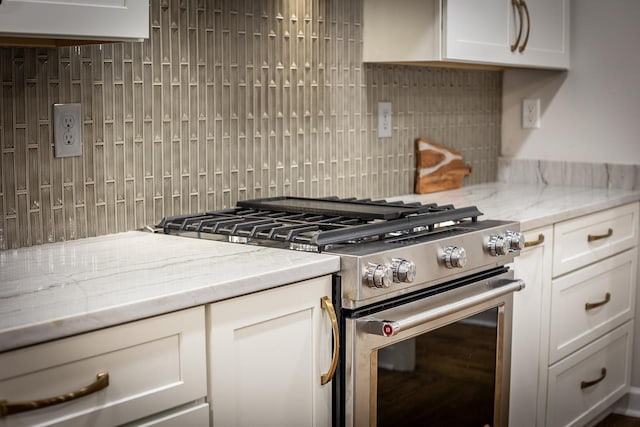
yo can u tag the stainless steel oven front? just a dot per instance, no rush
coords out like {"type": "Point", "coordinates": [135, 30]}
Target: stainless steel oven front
{"type": "Point", "coordinates": [438, 358]}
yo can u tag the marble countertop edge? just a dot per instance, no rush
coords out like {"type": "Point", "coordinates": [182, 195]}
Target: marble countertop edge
{"type": "Point", "coordinates": [55, 328]}
{"type": "Point", "coordinates": [552, 218]}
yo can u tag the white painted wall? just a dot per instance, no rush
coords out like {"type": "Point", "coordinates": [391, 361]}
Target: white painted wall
{"type": "Point", "coordinates": [592, 112]}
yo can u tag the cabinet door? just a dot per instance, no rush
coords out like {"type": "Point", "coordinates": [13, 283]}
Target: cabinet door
{"type": "Point", "coordinates": [94, 19]}
{"type": "Point", "coordinates": [530, 325]}
{"type": "Point", "coordinates": [268, 351]}
{"type": "Point", "coordinates": [484, 32]}
{"type": "Point", "coordinates": [479, 31]}
{"type": "Point", "coordinates": [548, 44]}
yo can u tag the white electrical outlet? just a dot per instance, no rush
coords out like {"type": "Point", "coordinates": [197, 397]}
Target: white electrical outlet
{"type": "Point", "coordinates": [67, 130]}
{"type": "Point", "coordinates": [530, 113]}
{"type": "Point", "coordinates": [384, 120]}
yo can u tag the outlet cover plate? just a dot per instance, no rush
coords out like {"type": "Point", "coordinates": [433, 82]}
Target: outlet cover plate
{"type": "Point", "coordinates": [67, 130]}
{"type": "Point", "coordinates": [531, 113]}
{"type": "Point", "coordinates": [384, 120]}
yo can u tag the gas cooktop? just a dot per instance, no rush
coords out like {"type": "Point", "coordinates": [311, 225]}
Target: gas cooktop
{"type": "Point", "coordinates": [386, 249]}
{"type": "Point", "coordinates": [318, 224]}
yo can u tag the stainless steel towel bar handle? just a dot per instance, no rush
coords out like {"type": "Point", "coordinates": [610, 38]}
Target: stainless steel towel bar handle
{"type": "Point", "coordinates": [389, 328]}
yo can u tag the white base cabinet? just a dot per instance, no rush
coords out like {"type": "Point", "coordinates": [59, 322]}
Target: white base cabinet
{"type": "Point", "coordinates": [267, 353]}
{"type": "Point", "coordinates": [530, 321]}
{"type": "Point", "coordinates": [582, 335]}
{"type": "Point", "coordinates": [153, 365]}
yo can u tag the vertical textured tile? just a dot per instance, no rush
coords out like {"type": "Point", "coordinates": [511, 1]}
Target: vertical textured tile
{"type": "Point", "coordinates": [90, 210]}
{"type": "Point", "coordinates": [225, 101]}
{"type": "Point", "coordinates": [9, 182]}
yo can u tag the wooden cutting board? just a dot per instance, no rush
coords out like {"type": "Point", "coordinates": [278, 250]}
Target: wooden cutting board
{"type": "Point", "coordinates": [438, 167]}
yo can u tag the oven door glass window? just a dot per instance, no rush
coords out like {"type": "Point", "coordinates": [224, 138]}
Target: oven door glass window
{"type": "Point", "coordinates": [445, 377]}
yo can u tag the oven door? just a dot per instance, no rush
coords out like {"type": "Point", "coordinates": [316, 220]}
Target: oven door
{"type": "Point", "coordinates": [442, 360]}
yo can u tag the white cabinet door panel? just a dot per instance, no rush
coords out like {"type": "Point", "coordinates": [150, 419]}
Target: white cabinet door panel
{"type": "Point", "coordinates": [479, 31]}
{"type": "Point", "coordinates": [84, 20]}
{"type": "Point", "coordinates": [530, 326]}
{"type": "Point", "coordinates": [268, 351]}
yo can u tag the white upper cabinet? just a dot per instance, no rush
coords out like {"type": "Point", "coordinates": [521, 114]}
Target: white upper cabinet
{"type": "Point", "coordinates": [520, 33]}
{"type": "Point", "coordinates": [78, 20]}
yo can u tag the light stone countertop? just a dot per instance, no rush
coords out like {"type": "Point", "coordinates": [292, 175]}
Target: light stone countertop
{"type": "Point", "coordinates": [533, 205]}
{"type": "Point", "coordinates": [60, 289]}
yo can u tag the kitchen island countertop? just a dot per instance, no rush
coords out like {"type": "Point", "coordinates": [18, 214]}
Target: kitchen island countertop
{"type": "Point", "coordinates": [60, 289]}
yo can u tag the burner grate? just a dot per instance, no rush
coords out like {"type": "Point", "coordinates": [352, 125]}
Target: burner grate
{"type": "Point", "coordinates": [344, 221]}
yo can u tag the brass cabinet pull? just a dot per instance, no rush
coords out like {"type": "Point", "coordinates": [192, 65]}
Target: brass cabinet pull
{"type": "Point", "coordinates": [326, 304]}
{"type": "Point", "coordinates": [516, 5]}
{"type": "Point", "coordinates": [592, 237]}
{"type": "Point", "coordinates": [591, 305]}
{"type": "Point", "coordinates": [537, 242]}
{"type": "Point", "coordinates": [523, 4]}
{"type": "Point", "coordinates": [9, 408]}
{"type": "Point", "coordinates": [586, 384]}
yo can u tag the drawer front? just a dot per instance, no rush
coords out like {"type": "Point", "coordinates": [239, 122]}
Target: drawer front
{"type": "Point", "coordinates": [590, 238]}
{"type": "Point", "coordinates": [590, 302]}
{"type": "Point", "coordinates": [590, 380]}
{"type": "Point", "coordinates": [197, 415]}
{"type": "Point", "coordinates": [153, 365]}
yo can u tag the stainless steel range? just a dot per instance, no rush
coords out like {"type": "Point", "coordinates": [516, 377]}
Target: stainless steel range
{"type": "Point", "coordinates": [415, 280]}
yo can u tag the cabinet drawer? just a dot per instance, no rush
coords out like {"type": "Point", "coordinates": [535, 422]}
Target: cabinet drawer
{"type": "Point", "coordinates": [198, 415]}
{"type": "Point", "coordinates": [153, 365]}
{"type": "Point", "coordinates": [590, 238]}
{"type": "Point", "coordinates": [590, 302]}
{"type": "Point", "coordinates": [575, 395]}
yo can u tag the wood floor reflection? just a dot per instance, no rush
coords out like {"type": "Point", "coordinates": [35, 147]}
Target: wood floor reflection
{"type": "Point", "coordinates": [454, 373]}
{"type": "Point", "coordinates": [615, 420]}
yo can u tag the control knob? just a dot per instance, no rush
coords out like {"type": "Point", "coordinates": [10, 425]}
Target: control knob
{"type": "Point", "coordinates": [515, 241]}
{"type": "Point", "coordinates": [403, 270]}
{"type": "Point", "coordinates": [378, 275]}
{"type": "Point", "coordinates": [455, 257]}
{"type": "Point", "coordinates": [498, 245]}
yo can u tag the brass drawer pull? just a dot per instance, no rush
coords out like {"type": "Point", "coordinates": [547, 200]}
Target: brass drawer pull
{"type": "Point", "coordinates": [592, 237]}
{"type": "Point", "coordinates": [326, 304]}
{"type": "Point", "coordinates": [516, 5]}
{"type": "Point", "coordinates": [523, 3]}
{"type": "Point", "coordinates": [537, 242]}
{"type": "Point", "coordinates": [587, 384]}
{"type": "Point", "coordinates": [591, 305]}
{"type": "Point", "coordinates": [9, 408]}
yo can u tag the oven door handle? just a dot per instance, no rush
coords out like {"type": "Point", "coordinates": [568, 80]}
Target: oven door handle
{"type": "Point", "coordinates": [388, 328]}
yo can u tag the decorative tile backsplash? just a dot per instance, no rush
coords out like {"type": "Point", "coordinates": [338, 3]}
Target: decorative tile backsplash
{"type": "Point", "coordinates": [226, 100]}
